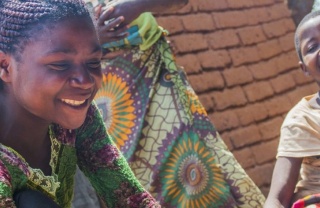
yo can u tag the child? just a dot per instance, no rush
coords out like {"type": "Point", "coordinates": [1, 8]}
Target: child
{"type": "Point", "coordinates": [49, 74]}
{"type": "Point", "coordinates": [298, 150]}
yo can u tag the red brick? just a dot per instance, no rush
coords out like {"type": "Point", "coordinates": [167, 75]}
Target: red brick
{"type": "Point", "coordinates": [171, 23]}
{"type": "Point", "coordinates": [190, 62]}
{"type": "Point", "coordinates": [224, 120]}
{"type": "Point", "coordinates": [259, 111]}
{"type": "Point", "coordinates": [263, 2]}
{"type": "Point", "coordinates": [229, 98]}
{"type": "Point", "coordinates": [258, 91]}
{"type": "Point", "coordinates": [300, 78]}
{"type": "Point", "coordinates": [257, 15]}
{"type": "Point", "coordinates": [245, 136]}
{"type": "Point", "coordinates": [226, 138]}
{"type": "Point", "coordinates": [289, 24]}
{"type": "Point", "coordinates": [277, 105]}
{"type": "Point", "coordinates": [286, 42]}
{"type": "Point", "coordinates": [244, 55]}
{"type": "Point", "coordinates": [186, 9]}
{"type": "Point", "coordinates": [245, 115]}
{"type": "Point", "coordinates": [269, 49]}
{"type": "Point", "coordinates": [214, 59]}
{"type": "Point", "coordinates": [206, 81]}
{"type": "Point", "coordinates": [265, 152]}
{"type": "Point", "coordinates": [236, 4]}
{"type": "Point", "coordinates": [287, 61]}
{"type": "Point", "coordinates": [283, 83]}
{"type": "Point", "coordinates": [189, 7]}
{"type": "Point", "coordinates": [275, 28]}
{"type": "Point", "coordinates": [222, 39]}
{"type": "Point", "coordinates": [261, 175]}
{"type": "Point", "coordinates": [245, 157]}
{"type": "Point", "coordinates": [206, 101]}
{"type": "Point", "coordinates": [229, 19]}
{"type": "Point", "coordinates": [198, 22]}
{"type": "Point", "coordinates": [252, 34]}
{"type": "Point", "coordinates": [209, 5]}
{"type": "Point", "coordinates": [237, 76]}
{"type": "Point", "coordinates": [189, 42]}
{"type": "Point", "coordinates": [270, 129]}
{"type": "Point", "coordinates": [218, 39]}
{"type": "Point", "coordinates": [278, 11]}
{"type": "Point", "coordinates": [264, 69]}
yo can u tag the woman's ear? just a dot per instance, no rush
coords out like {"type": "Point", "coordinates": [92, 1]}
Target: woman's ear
{"type": "Point", "coordinates": [304, 68]}
{"type": "Point", "coordinates": [4, 67]}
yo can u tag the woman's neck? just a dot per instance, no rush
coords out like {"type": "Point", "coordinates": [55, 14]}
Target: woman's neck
{"type": "Point", "coordinates": [20, 127]}
{"type": "Point", "coordinates": [26, 134]}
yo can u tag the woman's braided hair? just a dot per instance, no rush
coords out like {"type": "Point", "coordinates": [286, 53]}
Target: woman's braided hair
{"type": "Point", "coordinates": [20, 18]}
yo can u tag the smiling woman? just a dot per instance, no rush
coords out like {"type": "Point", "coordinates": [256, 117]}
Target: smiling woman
{"type": "Point", "coordinates": [49, 73]}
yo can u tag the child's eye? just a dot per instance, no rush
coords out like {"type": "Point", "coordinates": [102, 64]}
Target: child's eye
{"type": "Point", "coordinates": [311, 48]}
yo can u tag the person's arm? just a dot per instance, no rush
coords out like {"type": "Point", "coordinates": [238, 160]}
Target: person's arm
{"type": "Point", "coordinates": [284, 179]}
{"type": "Point", "coordinates": [131, 9]}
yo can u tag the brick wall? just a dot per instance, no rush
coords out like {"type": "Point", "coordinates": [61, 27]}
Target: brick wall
{"type": "Point", "coordinates": [240, 59]}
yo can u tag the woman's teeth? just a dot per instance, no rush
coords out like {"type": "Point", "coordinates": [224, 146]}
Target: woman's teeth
{"type": "Point", "coordinates": [73, 102]}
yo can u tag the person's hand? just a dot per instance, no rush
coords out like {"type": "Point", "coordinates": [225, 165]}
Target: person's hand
{"type": "Point", "coordinates": [128, 9]}
{"type": "Point", "coordinates": [110, 27]}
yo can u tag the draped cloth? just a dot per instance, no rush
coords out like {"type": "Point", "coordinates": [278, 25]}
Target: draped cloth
{"type": "Point", "coordinates": [162, 129]}
{"type": "Point", "coordinates": [158, 123]}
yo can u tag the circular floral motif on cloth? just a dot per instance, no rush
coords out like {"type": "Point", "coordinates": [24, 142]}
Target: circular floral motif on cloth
{"type": "Point", "coordinates": [116, 107]}
{"type": "Point", "coordinates": [189, 174]}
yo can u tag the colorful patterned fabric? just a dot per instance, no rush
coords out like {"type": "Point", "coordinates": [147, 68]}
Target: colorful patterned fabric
{"type": "Point", "coordinates": [143, 31]}
{"type": "Point", "coordinates": [311, 201]}
{"type": "Point", "coordinates": [97, 157]}
{"type": "Point", "coordinates": [157, 121]}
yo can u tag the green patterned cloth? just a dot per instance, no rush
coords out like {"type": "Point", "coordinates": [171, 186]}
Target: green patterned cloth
{"type": "Point", "coordinates": [95, 153]}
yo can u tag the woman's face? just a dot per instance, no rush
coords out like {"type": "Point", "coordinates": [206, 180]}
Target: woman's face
{"type": "Point", "coordinates": [59, 73]}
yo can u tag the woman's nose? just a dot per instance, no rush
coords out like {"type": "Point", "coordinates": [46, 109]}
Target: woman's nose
{"type": "Point", "coordinates": [82, 78]}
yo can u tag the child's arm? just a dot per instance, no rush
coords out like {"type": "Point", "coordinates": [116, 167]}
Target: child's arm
{"type": "Point", "coordinates": [284, 179]}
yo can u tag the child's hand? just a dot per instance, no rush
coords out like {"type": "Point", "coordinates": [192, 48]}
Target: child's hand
{"type": "Point", "coordinates": [110, 27]}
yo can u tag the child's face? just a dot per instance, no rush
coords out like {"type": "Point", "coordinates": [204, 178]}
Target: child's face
{"type": "Point", "coordinates": [58, 74]}
{"type": "Point", "coordinates": [310, 48]}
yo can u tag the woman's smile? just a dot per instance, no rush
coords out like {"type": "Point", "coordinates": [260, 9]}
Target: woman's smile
{"type": "Point", "coordinates": [73, 102]}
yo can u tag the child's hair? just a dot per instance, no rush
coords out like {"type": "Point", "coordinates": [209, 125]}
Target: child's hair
{"type": "Point", "coordinates": [297, 33]}
{"type": "Point", "coordinates": [20, 18]}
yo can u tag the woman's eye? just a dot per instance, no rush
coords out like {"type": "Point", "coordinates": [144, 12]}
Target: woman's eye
{"type": "Point", "coordinates": [59, 66]}
{"type": "Point", "coordinates": [94, 64]}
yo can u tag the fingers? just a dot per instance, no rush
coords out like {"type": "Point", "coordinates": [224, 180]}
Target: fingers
{"type": "Point", "coordinates": [105, 15]}
{"type": "Point", "coordinates": [110, 36]}
{"type": "Point", "coordinates": [110, 29]}
{"type": "Point", "coordinates": [97, 11]}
